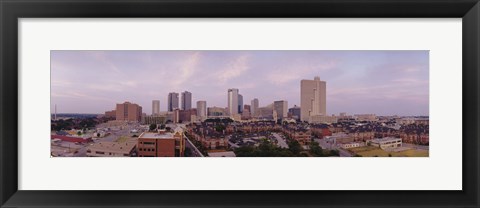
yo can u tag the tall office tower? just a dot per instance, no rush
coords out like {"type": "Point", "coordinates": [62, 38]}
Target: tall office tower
{"type": "Point", "coordinates": [294, 112]}
{"type": "Point", "coordinates": [202, 109]}
{"type": "Point", "coordinates": [313, 98]}
{"type": "Point", "coordinates": [232, 102]}
{"type": "Point", "coordinates": [155, 107]}
{"type": "Point", "coordinates": [240, 103]}
{"type": "Point", "coordinates": [128, 112]}
{"type": "Point", "coordinates": [254, 107]}
{"type": "Point", "coordinates": [247, 108]}
{"type": "Point", "coordinates": [186, 100]}
{"type": "Point", "coordinates": [281, 107]}
{"type": "Point", "coordinates": [172, 101]}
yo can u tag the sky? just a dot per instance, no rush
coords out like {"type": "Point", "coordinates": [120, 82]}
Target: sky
{"type": "Point", "coordinates": [358, 82]}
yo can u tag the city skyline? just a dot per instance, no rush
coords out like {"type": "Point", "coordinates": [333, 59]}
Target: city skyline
{"type": "Point", "coordinates": [379, 82]}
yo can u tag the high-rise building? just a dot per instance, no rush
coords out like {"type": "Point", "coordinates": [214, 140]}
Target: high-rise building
{"type": "Point", "coordinates": [186, 115]}
{"type": "Point", "coordinates": [313, 98]}
{"type": "Point", "coordinates": [281, 107]}
{"type": "Point", "coordinates": [247, 107]}
{"type": "Point", "coordinates": [172, 101]}
{"type": "Point", "coordinates": [155, 107]}
{"type": "Point", "coordinates": [202, 109]}
{"type": "Point", "coordinates": [186, 100]}
{"type": "Point", "coordinates": [240, 103]}
{"type": "Point", "coordinates": [254, 107]}
{"type": "Point", "coordinates": [232, 102]}
{"type": "Point", "coordinates": [215, 111]}
{"type": "Point", "coordinates": [128, 112]}
{"type": "Point", "coordinates": [294, 112]}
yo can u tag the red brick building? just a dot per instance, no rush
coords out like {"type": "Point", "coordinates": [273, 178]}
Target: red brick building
{"type": "Point", "coordinates": [161, 144]}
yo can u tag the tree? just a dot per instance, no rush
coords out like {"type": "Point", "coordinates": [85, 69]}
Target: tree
{"type": "Point", "coordinates": [334, 153]}
{"type": "Point", "coordinates": [153, 127]}
{"type": "Point", "coordinates": [294, 147]}
{"type": "Point", "coordinates": [162, 126]}
{"type": "Point", "coordinates": [219, 127]}
{"type": "Point", "coordinates": [315, 149]}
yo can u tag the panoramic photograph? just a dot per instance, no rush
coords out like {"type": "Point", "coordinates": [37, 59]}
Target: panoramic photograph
{"type": "Point", "coordinates": [239, 103]}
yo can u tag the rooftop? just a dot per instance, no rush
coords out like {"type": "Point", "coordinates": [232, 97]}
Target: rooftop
{"type": "Point", "coordinates": [116, 147]}
{"type": "Point", "coordinates": [386, 139]}
{"type": "Point", "coordinates": [156, 135]}
{"type": "Point", "coordinates": [221, 154]}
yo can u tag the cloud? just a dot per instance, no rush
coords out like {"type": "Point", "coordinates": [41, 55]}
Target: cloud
{"type": "Point", "coordinates": [102, 56]}
{"type": "Point", "coordinates": [60, 83]}
{"type": "Point", "coordinates": [80, 96]}
{"type": "Point", "coordinates": [234, 69]}
{"type": "Point", "coordinates": [297, 71]}
{"type": "Point", "coordinates": [186, 71]}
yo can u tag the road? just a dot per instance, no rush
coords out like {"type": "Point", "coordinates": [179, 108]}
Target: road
{"type": "Point", "coordinates": [281, 141]}
{"type": "Point", "coordinates": [190, 145]}
{"type": "Point", "coordinates": [325, 145]}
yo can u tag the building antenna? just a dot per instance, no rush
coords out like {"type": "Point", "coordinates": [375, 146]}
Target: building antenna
{"type": "Point", "coordinates": [55, 117]}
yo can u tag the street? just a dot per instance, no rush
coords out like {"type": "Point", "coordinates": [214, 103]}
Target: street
{"type": "Point", "coordinates": [281, 141]}
{"type": "Point", "coordinates": [195, 151]}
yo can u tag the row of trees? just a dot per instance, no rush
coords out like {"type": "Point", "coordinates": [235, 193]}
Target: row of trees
{"type": "Point", "coordinates": [77, 123]}
{"type": "Point", "coordinates": [265, 149]}
{"type": "Point", "coordinates": [268, 149]}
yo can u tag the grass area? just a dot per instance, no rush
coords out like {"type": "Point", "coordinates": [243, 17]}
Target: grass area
{"type": "Point", "coordinates": [122, 139]}
{"type": "Point", "coordinates": [370, 151]}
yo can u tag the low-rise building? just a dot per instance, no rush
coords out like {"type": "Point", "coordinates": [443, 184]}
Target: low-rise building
{"type": "Point", "coordinates": [352, 145]}
{"type": "Point", "coordinates": [387, 142]}
{"type": "Point", "coordinates": [317, 119]}
{"type": "Point", "coordinates": [155, 119]}
{"type": "Point", "coordinates": [112, 149]}
{"type": "Point", "coordinates": [222, 154]}
{"type": "Point", "coordinates": [161, 144]}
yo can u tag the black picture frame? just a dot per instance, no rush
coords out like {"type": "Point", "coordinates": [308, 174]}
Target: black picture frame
{"type": "Point", "coordinates": [11, 10]}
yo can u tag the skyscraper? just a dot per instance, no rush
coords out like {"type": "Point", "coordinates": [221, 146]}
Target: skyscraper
{"type": "Point", "coordinates": [232, 102]}
{"type": "Point", "coordinates": [202, 109]}
{"type": "Point", "coordinates": [240, 103]}
{"type": "Point", "coordinates": [294, 112]}
{"type": "Point", "coordinates": [281, 107]}
{"type": "Point", "coordinates": [172, 101]}
{"type": "Point", "coordinates": [313, 98]}
{"type": "Point", "coordinates": [186, 100]}
{"type": "Point", "coordinates": [254, 107]}
{"type": "Point", "coordinates": [155, 107]}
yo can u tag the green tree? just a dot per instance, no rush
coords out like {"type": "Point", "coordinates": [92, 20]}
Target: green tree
{"type": "Point", "coordinates": [315, 149]}
{"type": "Point", "coordinates": [153, 127]}
{"type": "Point", "coordinates": [294, 147]}
{"type": "Point", "coordinates": [219, 127]}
